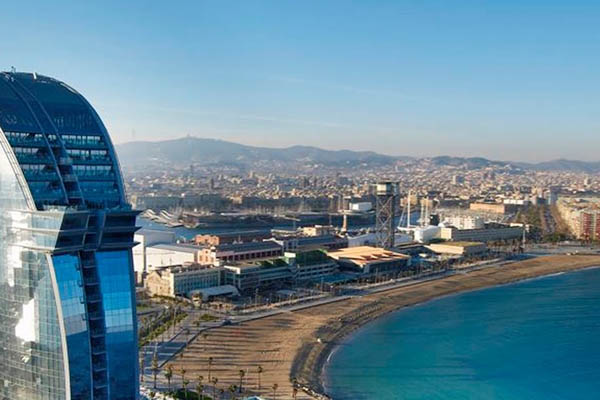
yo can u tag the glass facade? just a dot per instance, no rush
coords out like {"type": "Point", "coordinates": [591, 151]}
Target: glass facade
{"type": "Point", "coordinates": [67, 303]}
{"type": "Point", "coordinates": [119, 310]}
{"type": "Point", "coordinates": [31, 365]}
{"type": "Point", "coordinates": [67, 270]}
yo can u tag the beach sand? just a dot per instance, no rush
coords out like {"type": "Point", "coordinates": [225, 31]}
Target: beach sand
{"type": "Point", "coordinates": [286, 346]}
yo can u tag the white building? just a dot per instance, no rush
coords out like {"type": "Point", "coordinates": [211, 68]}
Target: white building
{"type": "Point", "coordinates": [465, 222]}
{"type": "Point", "coordinates": [426, 234]}
{"type": "Point", "coordinates": [145, 238]}
{"type": "Point", "coordinates": [362, 206]}
{"type": "Point", "coordinates": [161, 255]}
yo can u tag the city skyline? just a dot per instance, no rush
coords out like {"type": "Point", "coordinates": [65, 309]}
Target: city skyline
{"type": "Point", "coordinates": [491, 80]}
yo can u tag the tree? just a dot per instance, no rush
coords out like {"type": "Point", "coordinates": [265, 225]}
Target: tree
{"type": "Point", "coordinates": [242, 373]}
{"type": "Point", "coordinates": [169, 375]}
{"type": "Point", "coordinates": [259, 371]}
{"type": "Point", "coordinates": [275, 387]}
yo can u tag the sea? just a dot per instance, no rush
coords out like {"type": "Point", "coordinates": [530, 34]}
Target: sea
{"type": "Point", "coordinates": [532, 340]}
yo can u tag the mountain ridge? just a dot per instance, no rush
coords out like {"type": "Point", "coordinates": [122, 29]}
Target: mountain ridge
{"type": "Point", "coordinates": [194, 150]}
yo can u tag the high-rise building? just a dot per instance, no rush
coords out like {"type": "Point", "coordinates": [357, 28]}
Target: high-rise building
{"type": "Point", "coordinates": [67, 300]}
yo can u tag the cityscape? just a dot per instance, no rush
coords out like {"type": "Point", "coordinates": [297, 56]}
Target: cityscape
{"type": "Point", "coordinates": [152, 247]}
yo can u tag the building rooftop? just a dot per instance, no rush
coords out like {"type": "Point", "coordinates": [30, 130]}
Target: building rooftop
{"type": "Point", "coordinates": [184, 248]}
{"type": "Point", "coordinates": [366, 254]}
{"type": "Point", "coordinates": [459, 244]}
{"type": "Point", "coordinates": [266, 245]}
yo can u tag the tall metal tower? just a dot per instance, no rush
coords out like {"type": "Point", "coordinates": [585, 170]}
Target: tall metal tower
{"type": "Point", "coordinates": [386, 193]}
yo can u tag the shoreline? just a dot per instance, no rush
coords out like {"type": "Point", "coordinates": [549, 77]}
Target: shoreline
{"type": "Point", "coordinates": [297, 344]}
{"type": "Point", "coordinates": [310, 362]}
{"type": "Point", "coordinates": [348, 337]}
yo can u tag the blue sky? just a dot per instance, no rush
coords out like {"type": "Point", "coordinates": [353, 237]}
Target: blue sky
{"type": "Point", "coordinates": [512, 80]}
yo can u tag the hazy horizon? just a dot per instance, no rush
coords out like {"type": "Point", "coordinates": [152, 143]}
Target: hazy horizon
{"type": "Point", "coordinates": [346, 149]}
{"type": "Point", "coordinates": [512, 80]}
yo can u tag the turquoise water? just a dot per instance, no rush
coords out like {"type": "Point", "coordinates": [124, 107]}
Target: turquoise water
{"type": "Point", "coordinates": [538, 339]}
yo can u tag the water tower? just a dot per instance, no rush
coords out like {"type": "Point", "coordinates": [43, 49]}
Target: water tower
{"type": "Point", "coordinates": [386, 193]}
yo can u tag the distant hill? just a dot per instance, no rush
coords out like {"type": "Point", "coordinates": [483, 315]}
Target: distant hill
{"type": "Point", "coordinates": [468, 162]}
{"type": "Point", "coordinates": [590, 167]}
{"type": "Point", "coordinates": [192, 150]}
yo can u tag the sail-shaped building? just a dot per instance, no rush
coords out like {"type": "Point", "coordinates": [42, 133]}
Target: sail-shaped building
{"type": "Point", "coordinates": [67, 298]}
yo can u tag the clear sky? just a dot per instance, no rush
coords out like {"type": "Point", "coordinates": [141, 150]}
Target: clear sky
{"type": "Point", "coordinates": [505, 79]}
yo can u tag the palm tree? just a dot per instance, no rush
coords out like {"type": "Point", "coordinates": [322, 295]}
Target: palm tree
{"type": "Point", "coordinates": [185, 385]}
{"type": "Point", "coordinates": [182, 372]}
{"type": "Point", "coordinates": [242, 374]}
{"type": "Point", "coordinates": [142, 369]}
{"type": "Point", "coordinates": [259, 370]}
{"type": "Point", "coordinates": [275, 387]}
{"type": "Point", "coordinates": [205, 337]}
{"type": "Point", "coordinates": [210, 361]}
{"type": "Point", "coordinates": [155, 367]}
{"type": "Point", "coordinates": [294, 388]}
{"type": "Point", "coordinates": [200, 379]}
{"type": "Point", "coordinates": [200, 391]}
{"type": "Point", "coordinates": [232, 390]}
{"type": "Point", "coordinates": [169, 375]}
{"type": "Point", "coordinates": [215, 380]}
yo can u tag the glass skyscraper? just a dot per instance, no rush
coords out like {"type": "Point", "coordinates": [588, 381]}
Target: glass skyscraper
{"type": "Point", "coordinates": [67, 298]}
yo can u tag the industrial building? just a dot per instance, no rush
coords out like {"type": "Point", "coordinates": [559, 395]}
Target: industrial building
{"type": "Point", "coordinates": [67, 304]}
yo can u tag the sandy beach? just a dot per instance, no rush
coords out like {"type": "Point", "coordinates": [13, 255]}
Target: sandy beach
{"type": "Point", "coordinates": [297, 344]}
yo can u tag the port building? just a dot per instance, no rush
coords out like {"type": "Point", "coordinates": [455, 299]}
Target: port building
{"type": "Point", "coordinates": [367, 260]}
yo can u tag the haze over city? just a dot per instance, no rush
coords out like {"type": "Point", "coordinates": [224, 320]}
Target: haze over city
{"type": "Point", "coordinates": [492, 79]}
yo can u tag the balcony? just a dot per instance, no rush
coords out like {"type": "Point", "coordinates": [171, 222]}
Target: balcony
{"type": "Point", "coordinates": [47, 195]}
{"type": "Point", "coordinates": [29, 158]}
{"type": "Point", "coordinates": [92, 161]}
{"type": "Point", "coordinates": [38, 176]}
{"type": "Point", "coordinates": [69, 178]}
{"type": "Point", "coordinates": [96, 177]}
{"type": "Point", "coordinates": [24, 141]}
{"type": "Point", "coordinates": [85, 145]}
